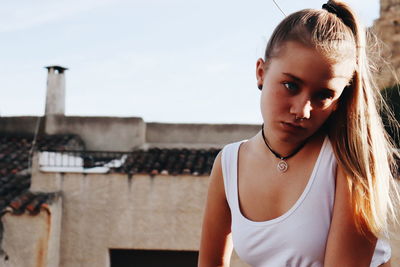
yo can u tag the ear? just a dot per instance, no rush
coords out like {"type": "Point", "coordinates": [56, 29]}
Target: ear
{"type": "Point", "coordinates": [260, 72]}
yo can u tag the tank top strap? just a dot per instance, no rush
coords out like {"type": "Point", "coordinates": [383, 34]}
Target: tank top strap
{"type": "Point", "coordinates": [229, 159]}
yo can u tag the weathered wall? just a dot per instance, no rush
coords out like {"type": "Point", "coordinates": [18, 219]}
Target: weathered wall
{"type": "Point", "coordinates": [197, 135]}
{"type": "Point", "coordinates": [32, 241]}
{"type": "Point", "coordinates": [101, 133]}
{"type": "Point", "coordinates": [112, 211]}
{"type": "Point", "coordinates": [55, 95]}
{"type": "Point", "coordinates": [387, 27]}
{"type": "Point", "coordinates": [18, 125]}
{"type": "Point", "coordinates": [123, 134]}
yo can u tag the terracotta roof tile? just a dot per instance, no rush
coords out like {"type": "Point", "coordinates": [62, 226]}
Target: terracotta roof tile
{"type": "Point", "coordinates": [12, 186]}
{"type": "Point", "coordinates": [15, 175]}
{"type": "Point", "coordinates": [19, 203]}
{"type": "Point", "coordinates": [31, 202]}
{"type": "Point", "coordinates": [169, 162]}
{"type": "Point", "coordinates": [33, 205]}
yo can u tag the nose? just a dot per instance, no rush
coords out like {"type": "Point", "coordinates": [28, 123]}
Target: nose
{"type": "Point", "coordinates": [301, 108]}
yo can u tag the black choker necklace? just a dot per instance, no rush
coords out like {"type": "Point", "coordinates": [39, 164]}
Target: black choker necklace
{"type": "Point", "coordinates": [282, 164]}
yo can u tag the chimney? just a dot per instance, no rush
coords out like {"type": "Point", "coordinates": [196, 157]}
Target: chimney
{"type": "Point", "coordinates": [55, 98]}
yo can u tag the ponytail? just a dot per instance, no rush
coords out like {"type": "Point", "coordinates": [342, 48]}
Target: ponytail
{"type": "Point", "coordinates": [362, 146]}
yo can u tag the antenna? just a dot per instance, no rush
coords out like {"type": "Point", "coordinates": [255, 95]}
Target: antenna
{"type": "Point", "coordinates": [280, 9]}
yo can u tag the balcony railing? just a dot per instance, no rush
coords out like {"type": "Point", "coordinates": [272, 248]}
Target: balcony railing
{"type": "Point", "coordinates": [154, 161]}
{"type": "Point", "coordinates": [81, 161]}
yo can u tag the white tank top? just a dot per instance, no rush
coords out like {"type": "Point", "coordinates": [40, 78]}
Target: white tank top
{"type": "Point", "coordinates": [298, 237]}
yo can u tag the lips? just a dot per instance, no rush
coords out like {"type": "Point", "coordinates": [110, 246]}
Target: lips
{"type": "Point", "coordinates": [292, 126]}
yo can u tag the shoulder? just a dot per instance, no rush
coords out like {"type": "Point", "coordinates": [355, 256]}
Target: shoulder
{"type": "Point", "coordinates": [217, 166]}
{"type": "Point", "coordinates": [229, 152]}
{"type": "Point", "coordinates": [215, 245]}
{"type": "Point", "coordinates": [234, 145]}
{"type": "Point", "coordinates": [216, 183]}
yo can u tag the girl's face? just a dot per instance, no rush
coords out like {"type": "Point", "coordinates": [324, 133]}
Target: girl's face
{"type": "Point", "coordinates": [299, 82]}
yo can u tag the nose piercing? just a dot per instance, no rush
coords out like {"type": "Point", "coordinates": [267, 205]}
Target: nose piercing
{"type": "Point", "coordinates": [299, 119]}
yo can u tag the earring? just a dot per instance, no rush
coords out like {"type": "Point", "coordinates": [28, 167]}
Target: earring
{"type": "Point", "coordinates": [260, 86]}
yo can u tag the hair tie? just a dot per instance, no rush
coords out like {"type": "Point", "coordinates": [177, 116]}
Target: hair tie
{"type": "Point", "coordinates": [330, 8]}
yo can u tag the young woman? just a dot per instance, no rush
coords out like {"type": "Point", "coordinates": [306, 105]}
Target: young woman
{"type": "Point", "coordinates": [315, 186]}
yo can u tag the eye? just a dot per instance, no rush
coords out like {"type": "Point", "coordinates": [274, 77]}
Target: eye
{"type": "Point", "coordinates": [324, 96]}
{"type": "Point", "coordinates": [291, 87]}
{"type": "Point", "coordinates": [324, 99]}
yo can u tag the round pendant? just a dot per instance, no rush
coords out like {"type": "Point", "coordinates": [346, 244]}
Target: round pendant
{"type": "Point", "coordinates": [282, 166]}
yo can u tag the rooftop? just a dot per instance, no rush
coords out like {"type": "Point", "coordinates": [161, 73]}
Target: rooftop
{"type": "Point", "coordinates": [57, 151]}
{"type": "Point", "coordinates": [15, 177]}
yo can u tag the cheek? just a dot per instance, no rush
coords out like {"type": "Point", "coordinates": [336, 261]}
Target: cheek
{"type": "Point", "coordinates": [273, 104]}
{"type": "Point", "coordinates": [265, 105]}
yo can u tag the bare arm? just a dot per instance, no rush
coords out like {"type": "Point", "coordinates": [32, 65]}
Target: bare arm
{"type": "Point", "coordinates": [345, 246]}
{"type": "Point", "coordinates": [216, 243]}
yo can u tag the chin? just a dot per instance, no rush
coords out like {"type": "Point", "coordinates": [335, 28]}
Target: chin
{"type": "Point", "coordinates": [293, 138]}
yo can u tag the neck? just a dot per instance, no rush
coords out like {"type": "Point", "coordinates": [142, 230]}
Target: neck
{"type": "Point", "coordinates": [282, 148]}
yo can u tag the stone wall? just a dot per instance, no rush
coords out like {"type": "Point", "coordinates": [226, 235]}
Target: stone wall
{"type": "Point", "coordinates": [387, 27]}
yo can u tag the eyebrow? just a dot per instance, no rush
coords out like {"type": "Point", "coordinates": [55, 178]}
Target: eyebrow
{"type": "Point", "coordinates": [297, 79]}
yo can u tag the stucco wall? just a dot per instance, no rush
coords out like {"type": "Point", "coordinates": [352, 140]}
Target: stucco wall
{"type": "Point", "coordinates": [102, 212]}
{"type": "Point", "coordinates": [123, 134]}
{"type": "Point", "coordinates": [20, 125]}
{"type": "Point", "coordinates": [32, 241]}
{"type": "Point", "coordinates": [197, 135]}
{"type": "Point", "coordinates": [101, 133]}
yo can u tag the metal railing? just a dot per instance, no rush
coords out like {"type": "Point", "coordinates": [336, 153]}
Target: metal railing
{"type": "Point", "coordinates": [154, 161]}
{"type": "Point", "coordinates": [82, 159]}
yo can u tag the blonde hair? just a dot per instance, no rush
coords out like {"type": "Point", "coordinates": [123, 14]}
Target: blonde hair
{"type": "Point", "coordinates": [361, 145]}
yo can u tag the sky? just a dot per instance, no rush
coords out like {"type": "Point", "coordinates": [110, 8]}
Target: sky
{"type": "Point", "coordinates": [181, 61]}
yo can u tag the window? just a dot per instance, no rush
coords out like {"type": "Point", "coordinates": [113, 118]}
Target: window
{"type": "Point", "coordinates": [152, 258]}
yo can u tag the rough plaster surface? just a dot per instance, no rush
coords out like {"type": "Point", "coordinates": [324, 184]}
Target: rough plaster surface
{"type": "Point", "coordinates": [190, 135]}
{"type": "Point", "coordinates": [55, 96]}
{"type": "Point", "coordinates": [103, 212]}
{"type": "Point", "coordinates": [113, 211]}
{"type": "Point", "coordinates": [101, 133]}
{"type": "Point", "coordinates": [32, 241]}
{"type": "Point", "coordinates": [17, 125]}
